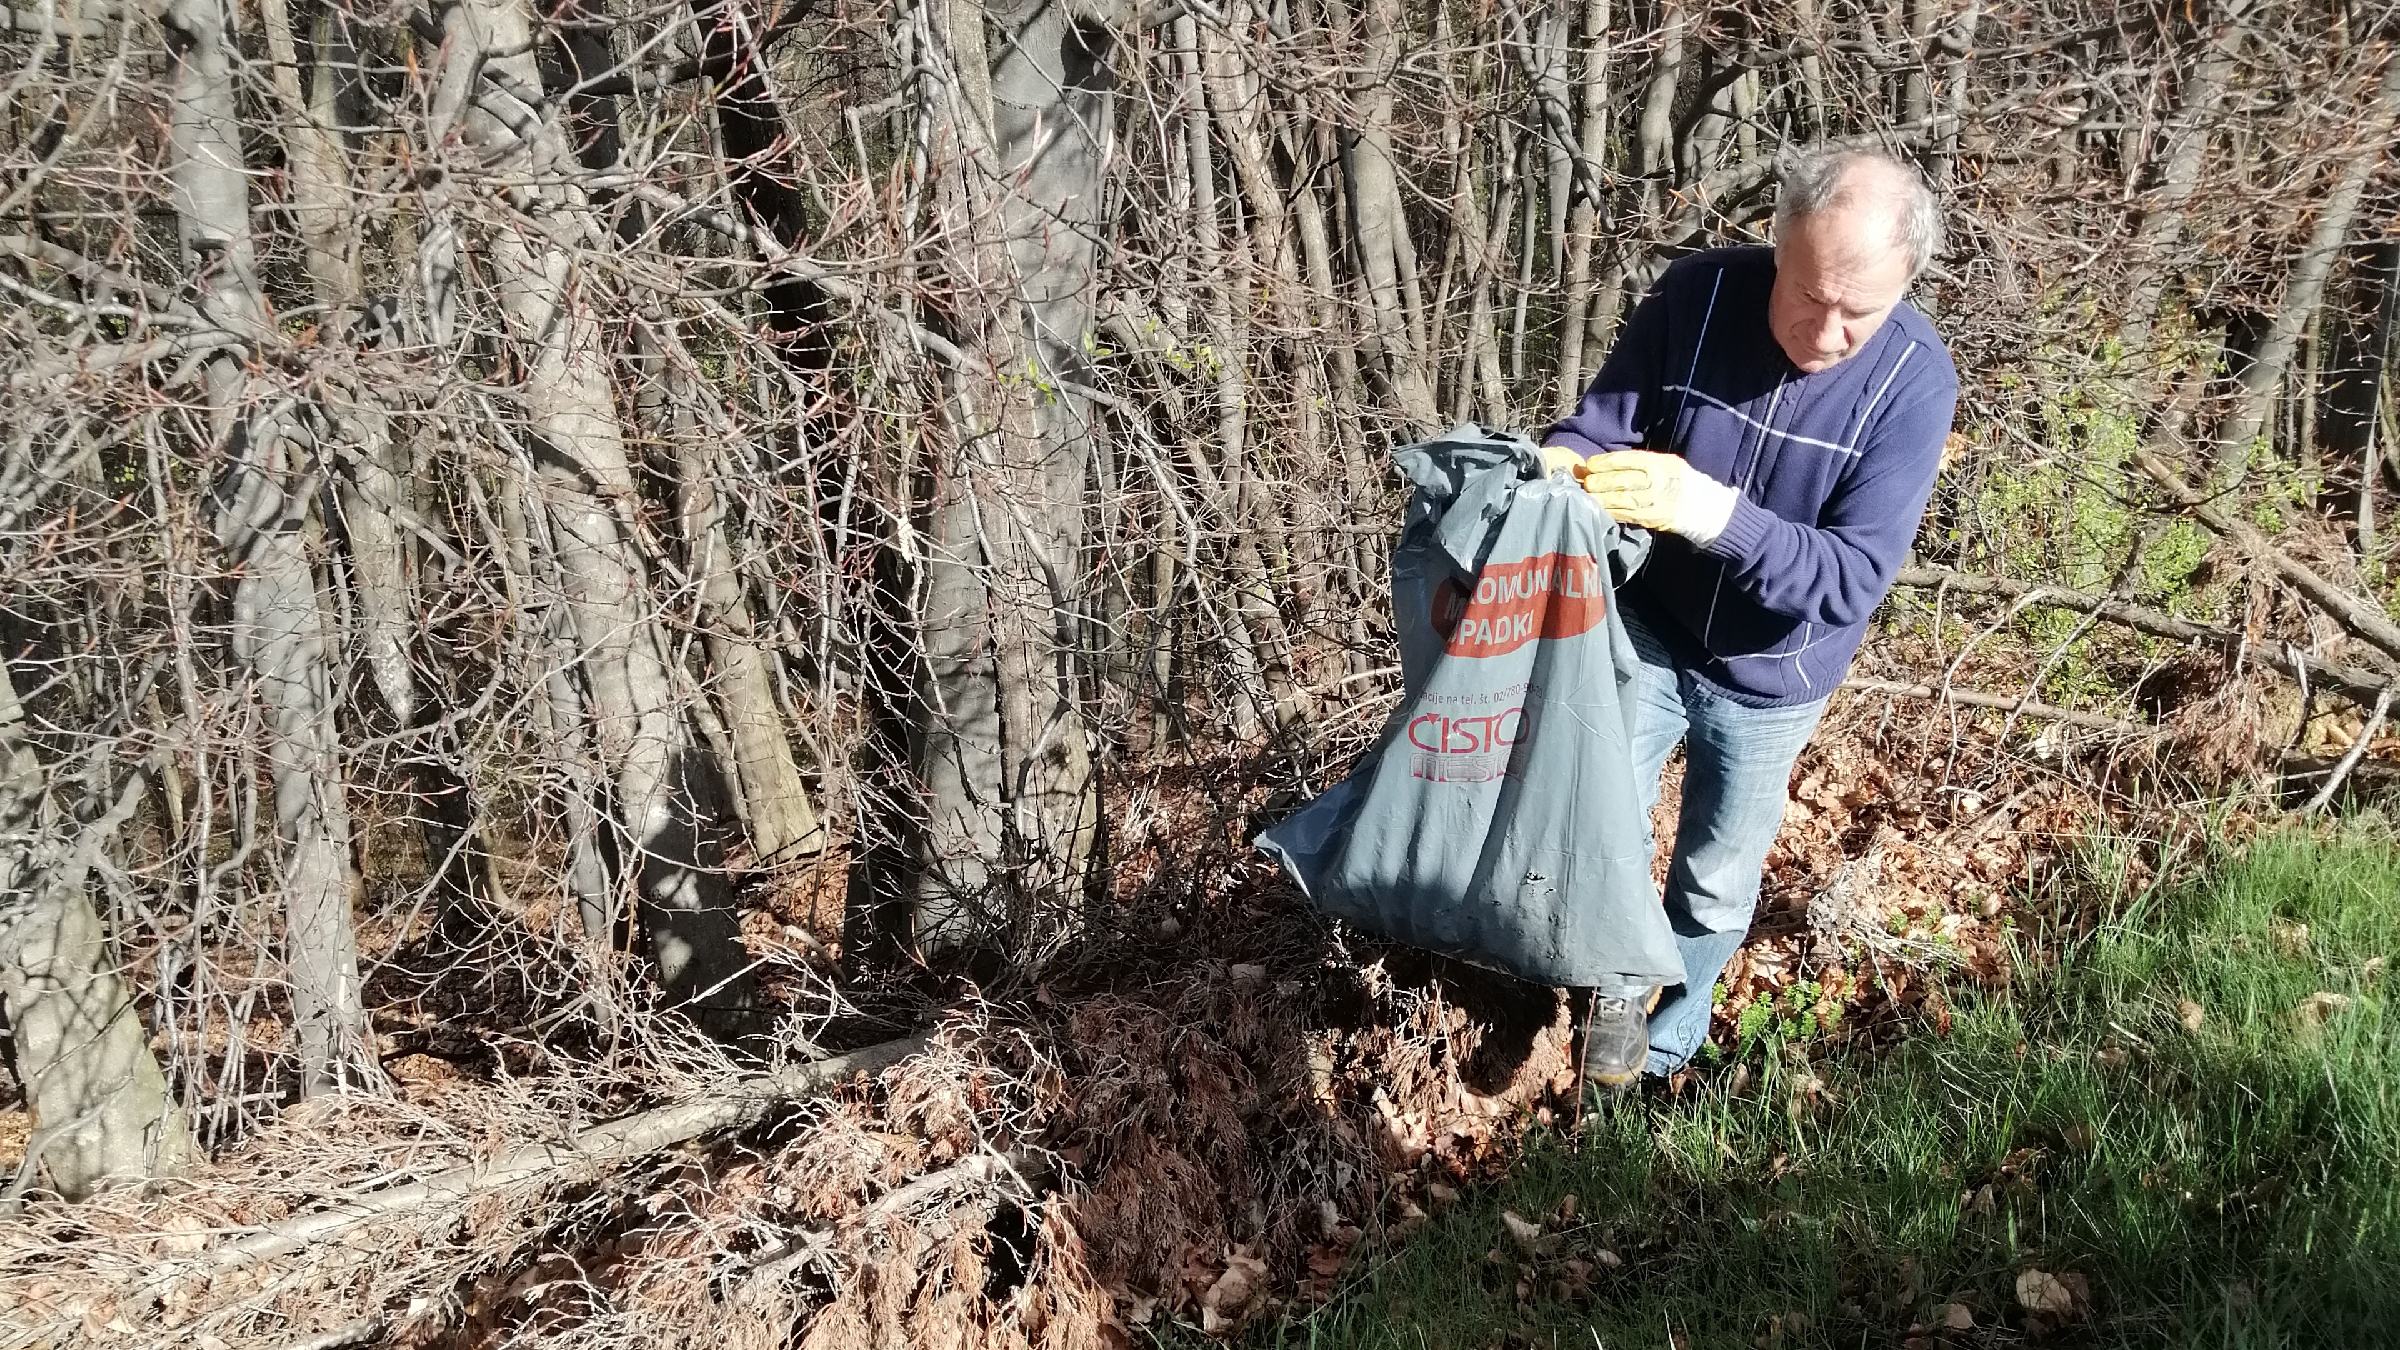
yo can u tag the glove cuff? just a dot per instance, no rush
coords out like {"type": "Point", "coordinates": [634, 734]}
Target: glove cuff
{"type": "Point", "coordinates": [1706, 508]}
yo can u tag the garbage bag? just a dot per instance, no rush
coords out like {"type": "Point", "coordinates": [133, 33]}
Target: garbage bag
{"type": "Point", "coordinates": [1496, 819]}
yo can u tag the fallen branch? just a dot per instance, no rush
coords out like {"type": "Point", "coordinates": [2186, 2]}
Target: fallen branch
{"type": "Point", "coordinates": [634, 1136]}
{"type": "Point", "coordinates": [2023, 707]}
{"type": "Point", "coordinates": [2356, 683]}
{"type": "Point", "coordinates": [1027, 1171]}
{"type": "Point", "coordinates": [2350, 758]}
{"type": "Point", "coordinates": [2361, 616]}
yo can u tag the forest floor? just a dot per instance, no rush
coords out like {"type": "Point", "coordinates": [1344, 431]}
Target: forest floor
{"type": "Point", "coordinates": [2181, 1133]}
{"type": "Point", "coordinates": [1224, 1117]}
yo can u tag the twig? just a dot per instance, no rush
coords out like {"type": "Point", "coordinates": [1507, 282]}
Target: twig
{"type": "Point", "coordinates": [364, 1331]}
{"type": "Point", "coordinates": [2027, 707]}
{"type": "Point", "coordinates": [1027, 1170]}
{"type": "Point", "coordinates": [2350, 758]}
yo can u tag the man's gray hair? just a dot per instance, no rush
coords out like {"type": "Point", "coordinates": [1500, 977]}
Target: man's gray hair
{"type": "Point", "coordinates": [1810, 179]}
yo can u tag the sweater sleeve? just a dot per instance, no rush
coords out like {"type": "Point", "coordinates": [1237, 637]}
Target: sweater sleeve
{"type": "Point", "coordinates": [1614, 411]}
{"type": "Point", "coordinates": [1837, 569]}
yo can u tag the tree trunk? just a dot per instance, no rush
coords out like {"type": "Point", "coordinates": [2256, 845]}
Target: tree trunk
{"type": "Point", "coordinates": [1001, 749]}
{"type": "Point", "coordinates": [775, 806]}
{"type": "Point", "coordinates": [369, 498]}
{"type": "Point", "coordinates": [2350, 387]}
{"type": "Point", "coordinates": [750, 126]}
{"type": "Point", "coordinates": [1376, 213]}
{"type": "Point", "coordinates": [280, 630]}
{"type": "Point", "coordinates": [1583, 222]}
{"type": "Point", "coordinates": [101, 1109]}
{"type": "Point", "coordinates": [585, 479]}
{"type": "Point", "coordinates": [2272, 357]}
{"type": "Point", "coordinates": [2162, 221]}
{"type": "Point", "coordinates": [1654, 138]}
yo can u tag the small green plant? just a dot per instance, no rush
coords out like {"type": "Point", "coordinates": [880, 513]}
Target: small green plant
{"type": "Point", "coordinates": [1794, 1016]}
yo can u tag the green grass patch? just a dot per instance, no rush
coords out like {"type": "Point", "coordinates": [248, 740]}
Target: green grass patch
{"type": "Point", "coordinates": [2174, 1122]}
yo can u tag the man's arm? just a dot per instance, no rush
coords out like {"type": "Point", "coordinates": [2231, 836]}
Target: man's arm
{"type": "Point", "coordinates": [1837, 570]}
{"type": "Point", "coordinates": [1613, 411]}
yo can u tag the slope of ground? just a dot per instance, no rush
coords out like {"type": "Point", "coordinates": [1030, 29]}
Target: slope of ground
{"type": "Point", "coordinates": [1208, 1123]}
{"type": "Point", "coordinates": [2183, 1135]}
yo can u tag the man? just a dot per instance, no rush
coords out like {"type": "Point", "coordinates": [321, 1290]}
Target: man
{"type": "Point", "coordinates": [1777, 417]}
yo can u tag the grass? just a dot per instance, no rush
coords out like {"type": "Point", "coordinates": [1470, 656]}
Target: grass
{"type": "Point", "coordinates": [2151, 1121]}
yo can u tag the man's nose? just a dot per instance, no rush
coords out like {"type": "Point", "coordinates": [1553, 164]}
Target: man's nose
{"type": "Point", "coordinates": [1830, 336]}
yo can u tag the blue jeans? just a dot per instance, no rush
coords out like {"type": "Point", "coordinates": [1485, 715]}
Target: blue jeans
{"type": "Point", "coordinates": [1736, 777]}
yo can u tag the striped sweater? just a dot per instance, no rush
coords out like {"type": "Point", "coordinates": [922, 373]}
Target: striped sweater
{"type": "Point", "coordinates": [1834, 470]}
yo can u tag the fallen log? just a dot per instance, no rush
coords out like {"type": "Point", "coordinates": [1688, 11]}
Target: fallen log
{"type": "Point", "coordinates": [2360, 685]}
{"type": "Point", "coordinates": [744, 1104]}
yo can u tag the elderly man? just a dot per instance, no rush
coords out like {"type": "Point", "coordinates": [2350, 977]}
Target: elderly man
{"type": "Point", "coordinates": [1777, 416]}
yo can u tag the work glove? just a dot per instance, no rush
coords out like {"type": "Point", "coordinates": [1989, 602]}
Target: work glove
{"type": "Point", "coordinates": [1557, 457]}
{"type": "Point", "coordinates": [1659, 492]}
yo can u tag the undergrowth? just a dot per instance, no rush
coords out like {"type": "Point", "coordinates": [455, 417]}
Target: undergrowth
{"type": "Point", "coordinates": [2181, 1132]}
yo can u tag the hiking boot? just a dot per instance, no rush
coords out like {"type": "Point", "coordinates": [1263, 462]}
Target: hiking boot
{"type": "Point", "coordinates": [1616, 1037]}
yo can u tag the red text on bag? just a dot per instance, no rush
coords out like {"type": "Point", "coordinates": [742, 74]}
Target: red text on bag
{"type": "Point", "coordinates": [1550, 595]}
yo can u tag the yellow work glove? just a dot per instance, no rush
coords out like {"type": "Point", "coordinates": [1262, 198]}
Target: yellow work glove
{"type": "Point", "coordinates": [1557, 457]}
{"type": "Point", "coordinates": [1659, 492]}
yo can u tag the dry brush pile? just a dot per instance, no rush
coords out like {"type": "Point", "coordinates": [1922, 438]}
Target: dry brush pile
{"type": "Point", "coordinates": [566, 561]}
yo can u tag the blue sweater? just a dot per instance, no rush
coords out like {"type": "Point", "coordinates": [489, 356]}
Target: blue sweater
{"type": "Point", "coordinates": [1834, 471]}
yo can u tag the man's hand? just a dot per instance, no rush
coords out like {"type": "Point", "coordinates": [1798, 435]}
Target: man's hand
{"type": "Point", "coordinates": [1659, 492]}
{"type": "Point", "coordinates": [1557, 457]}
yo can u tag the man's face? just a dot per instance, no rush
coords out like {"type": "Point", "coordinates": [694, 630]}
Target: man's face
{"type": "Point", "coordinates": [1837, 276]}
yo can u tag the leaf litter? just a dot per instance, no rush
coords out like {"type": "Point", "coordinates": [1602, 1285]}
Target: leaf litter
{"type": "Point", "coordinates": [1223, 1112]}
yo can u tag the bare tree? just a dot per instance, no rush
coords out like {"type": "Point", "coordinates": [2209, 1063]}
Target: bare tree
{"type": "Point", "coordinates": [101, 1109]}
{"type": "Point", "coordinates": [264, 518]}
{"type": "Point", "coordinates": [576, 463]}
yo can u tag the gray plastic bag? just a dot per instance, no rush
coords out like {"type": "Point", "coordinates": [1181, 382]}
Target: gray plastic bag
{"type": "Point", "coordinates": [1497, 819]}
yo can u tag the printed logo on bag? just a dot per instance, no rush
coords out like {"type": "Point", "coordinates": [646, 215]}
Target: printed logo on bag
{"type": "Point", "coordinates": [1549, 596]}
{"type": "Point", "coordinates": [1464, 749]}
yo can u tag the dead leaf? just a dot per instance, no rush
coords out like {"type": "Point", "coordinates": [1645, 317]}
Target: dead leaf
{"type": "Point", "coordinates": [2042, 1292]}
{"type": "Point", "coordinates": [1956, 1317]}
{"type": "Point", "coordinates": [2191, 1014]}
{"type": "Point", "coordinates": [2319, 1006]}
{"type": "Point", "coordinates": [184, 1233]}
{"type": "Point", "coordinates": [1522, 1231]}
{"type": "Point", "coordinates": [1230, 1299]}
